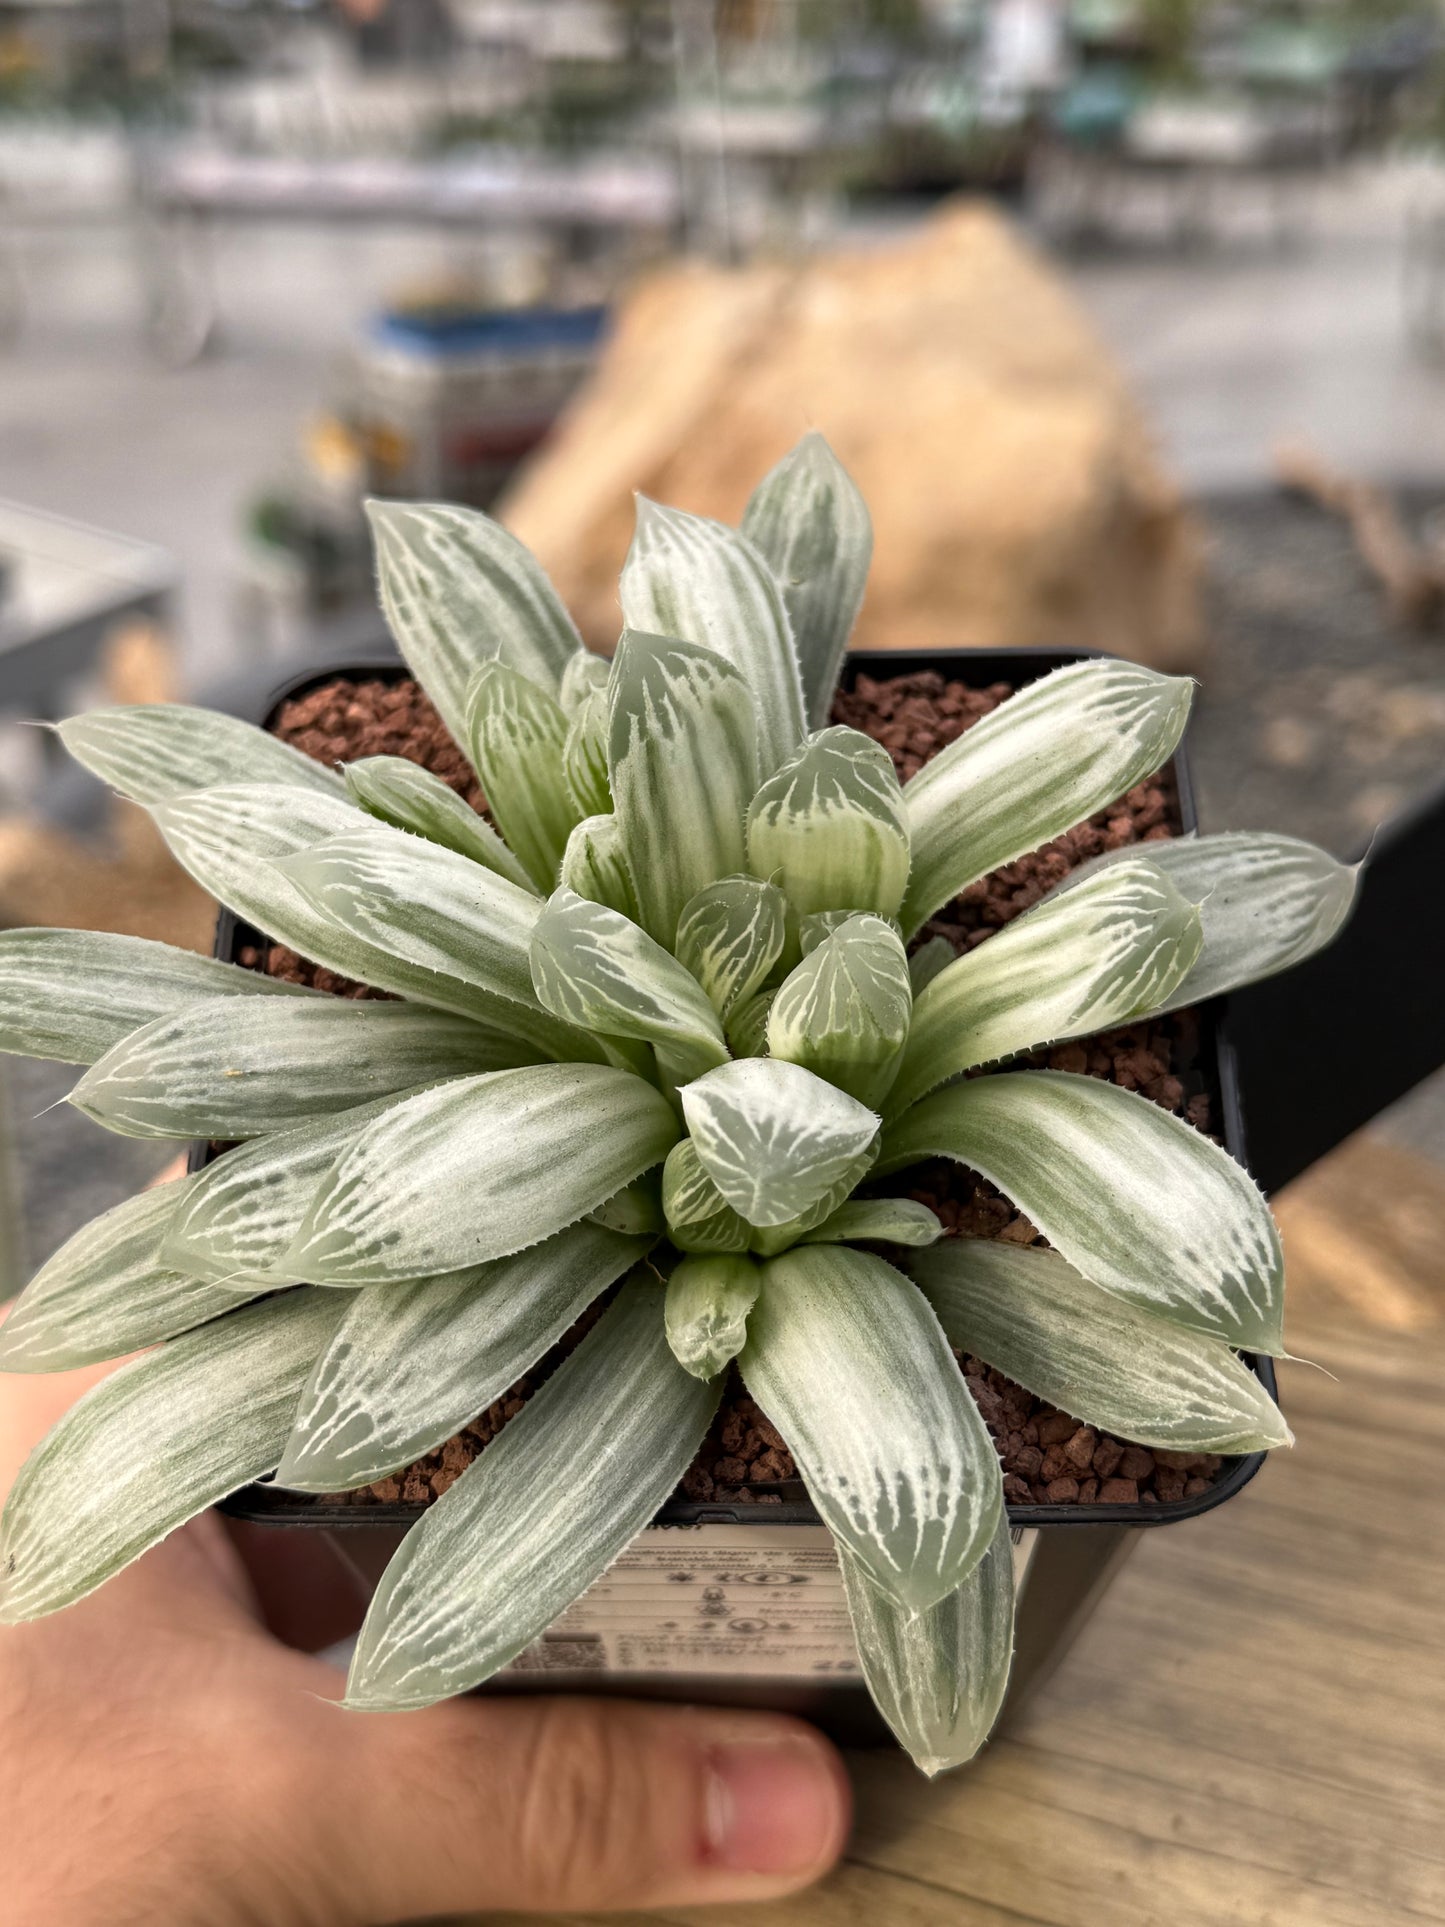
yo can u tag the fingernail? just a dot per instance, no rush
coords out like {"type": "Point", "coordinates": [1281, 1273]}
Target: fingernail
{"type": "Point", "coordinates": [773, 1806]}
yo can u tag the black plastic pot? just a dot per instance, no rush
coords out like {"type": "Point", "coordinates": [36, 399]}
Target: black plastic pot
{"type": "Point", "coordinates": [1072, 1553]}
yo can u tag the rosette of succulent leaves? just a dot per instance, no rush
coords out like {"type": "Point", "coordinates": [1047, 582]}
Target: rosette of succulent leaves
{"type": "Point", "coordinates": [653, 1034]}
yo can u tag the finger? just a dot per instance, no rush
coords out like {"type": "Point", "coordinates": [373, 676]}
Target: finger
{"type": "Point", "coordinates": [556, 1804]}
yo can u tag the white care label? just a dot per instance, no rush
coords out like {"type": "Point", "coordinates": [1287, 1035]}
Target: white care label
{"type": "Point", "coordinates": [760, 1602]}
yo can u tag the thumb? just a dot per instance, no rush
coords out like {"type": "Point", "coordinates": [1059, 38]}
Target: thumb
{"type": "Point", "coordinates": [556, 1804]}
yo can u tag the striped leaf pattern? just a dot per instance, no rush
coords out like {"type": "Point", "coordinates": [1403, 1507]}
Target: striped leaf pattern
{"type": "Point", "coordinates": [811, 526]}
{"type": "Point", "coordinates": [729, 936]}
{"type": "Point", "coordinates": [516, 735]}
{"type": "Point", "coordinates": [595, 866]}
{"type": "Point", "coordinates": [683, 759]}
{"type": "Point", "coordinates": [1105, 1360]}
{"type": "Point", "coordinates": [584, 673]}
{"type": "Point", "coordinates": [580, 1470]}
{"type": "Point", "coordinates": [154, 1444]}
{"type": "Point", "coordinates": [1043, 761]}
{"type": "Point", "coordinates": [699, 1218]}
{"type": "Point", "coordinates": [584, 757]}
{"type": "Point", "coordinates": [694, 578]}
{"type": "Point", "coordinates": [892, 1221]}
{"type": "Point", "coordinates": [895, 1455]}
{"type": "Point", "coordinates": [457, 590]}
{"type": "Point", "coordinates": [1073, 965]}
{"type": "Point", "coordinates": [215, 1071]}
{"type": "Point", "coordinates": [844, 1012]}
{"type": "Point", "coordinates": [774, 1139]}
{"type": "Point", "coordinates": [409, 797]}
{"type": "Point", "coordinates": [151, 751]}
{"type": "Point", "coordinates": [411, 1363]}
{"type": "Point", "coordinates": [470, 1171]}
{"type": "Point", "coordinates": [829, 827]}
{"type": "Point", "coordinates": [1133, 1197]}
{"type": "Point", "coordinates": [706, 1311]}
{"type": "Point", "coordinates": [73, 994]}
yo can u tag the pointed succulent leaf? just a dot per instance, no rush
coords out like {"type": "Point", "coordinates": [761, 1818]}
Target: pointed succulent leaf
{"type": "Point", "coordinates": [458, 590]}
{"type": "Point", "coordinates": [106, 1292]}
{"type": "Point", "coordinates": [479, 1168]}
{"type": "Point", "coordinates": [729, 936]}
{"type": "Point", "coordinates": [448, 928]}
{"type": "Point", "coordinates": [708, 1301]}
{"type": "Point", "coordinates": [593, 968]}
{"type": "Point", "coordinates": [584, 756]}
{"type": "Point", "coordinates": [891, 1221]}
{"type": "Point", "coordinates": [1133, 1197]}
{"type": "Point", "coordinates": [829, 826]}
{"type": "Point", "coordinates": [844, 1011]}
{"type": "Point", "coordinates": [927, 961]}
{"type": "Point", "coordinates": [1104, 1360]}
{"type": "Point", "coordinates": [216, 1071]}
{"type": "Point", "coordinates": [585, 672]}
{"type": "Point", "coordinates": [682, 758]}
{"type": "Point", "coordinates": [747, 1028]}
{"type": "Point", "coordinates": [1043, 761]}
{"type": "Point", "coordinates": [774, 1138]}
{"type": "Point", "coordinates": [149, 751]}
{"type": "Point", "coordinates": [72, 994]}
{"type": "Point", "coordinates": [635, 1210]}
{"type": "Point", "coordinates": [810, 524]}
{"type": "Point", "coordinates": [1072, 965]}
{"type": "Point", "coordinates": [403, 794]}
{"type": "Point", "coordinates": [938, 1678]}
{"type": "Point", "coordinates": [154, 1444]}
{"type": "Point", "coordinates": [690, 577]}
{"type": "Point", "coordinates": [239, 1216]}
{"type": "Point", "coordinates": [234, 842]}
{"type": "Point", "coordinates": [412, 1363]}
{"type": "Point", "coordinates": [516, 733]}
{"type": "Point", "coordinates": [848, 1361]}
{"type": "Point", "coordinates": [699, 1218]}
{"type": "Point", "coordinates": [768, 1240]}
{"type": "Point", "coordinates": [1265, 902]}
{"type": "Point", "coordinates": [819, 925]}
{"type": "Point", "coordinates": [580, 1470]}
{"type": "Point", "coordinates": [595, 865]}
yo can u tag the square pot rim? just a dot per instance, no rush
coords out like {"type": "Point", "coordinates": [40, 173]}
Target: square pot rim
{"type": "Point", "coordinates": [266, 1504]}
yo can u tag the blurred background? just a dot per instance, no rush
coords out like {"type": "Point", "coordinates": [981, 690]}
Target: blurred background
{"type": "Point", "coordinates": [1127, 315]}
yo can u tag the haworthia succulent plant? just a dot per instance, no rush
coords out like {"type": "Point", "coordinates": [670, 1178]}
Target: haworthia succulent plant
{"type": "Point", "coordinates": [648, 1025]}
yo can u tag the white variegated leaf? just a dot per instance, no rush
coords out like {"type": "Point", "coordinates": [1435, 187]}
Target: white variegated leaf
{"type": "Point", "coordinates": [1072, 965]}
{"type": "Point", "coordinates": [1095, 1355]}
{"type": "Point", "coordinates": [402, 793]}
{"type": "Point", "coordinates": [149, 751]}
{"type": "Point", "coordinates": [595, 865]}
{"type": "Point", "coordinates": [747, 1028]}
{"type": "Point", "coordinates": [927, 961]}
{"type": "Point", "coordinates": [154, 1444]}
{"type": "Point", "coordinates": [1265, 902]}
{"type": "Point", "coordinates": [699, 1218]}
{"type": "Point", "coordinates": [768, 1240]}
{"type": "Point", "coordinates": [479, 1168]}
{"type": "Point", "coordinates": [682, 760]}
{"type": "Point", "coordinates": [819, 925]}
{"type": "Point", "coordinates": [239, 1216]}
{"type": "Point", "coordinates": [1133, 1197]}
{"type": "Point", "coordinates": [449, 930]}
{"type": "Point", "coordinates": [412, 1363]}
{"type": "Point", "coordinates": [516, 734]}
{"type": "Point", "coordinates": [774, 1138]}
{"type": "Point", "coordinates": [106, 1291]}
{"type": "Point", "coordinates": [635, 1210]}
{"type": "Point", "coordinates": [579, 1472]}
{"type": "Point", "coordinates": [235, 841]}
{"type": "Point", "coordinates": [829, 827]}
{"type": "Point", "coordinates": [938, 1678]}
{"type": "Point", "coordinates": [808, 521]}
{"type": "Point", "coordinates": [457, 590]}
{"type": "Point", "coordinates": [584, 756]}
{"type": "Point", "coordinates": [584, 672]}
{"type": "Point", "coordinates": [224, 1069]}
{"type": "Point", "coordinates": [708, 1301]}
{"type": "Point", "coordinates": [891, 1221]}
{"type": "Point", "coordinates": [848, 1361]}
{"type": "Point", "coordinates": [729, 936]}
{"type": "Point", "coordinates": [844, 1012]}
{"type": "Point", "coordinates": [594, 968]}
{"type": "Point", "coordinates": [72, 994]}
{"type": "Point", "coordinates": [690, 577]}
{"type": "Point", "coordinates": [1043, 761]}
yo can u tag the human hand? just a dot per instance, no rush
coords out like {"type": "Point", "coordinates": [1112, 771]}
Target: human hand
{"type": "Point", "coordinates": [171, 1754]}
